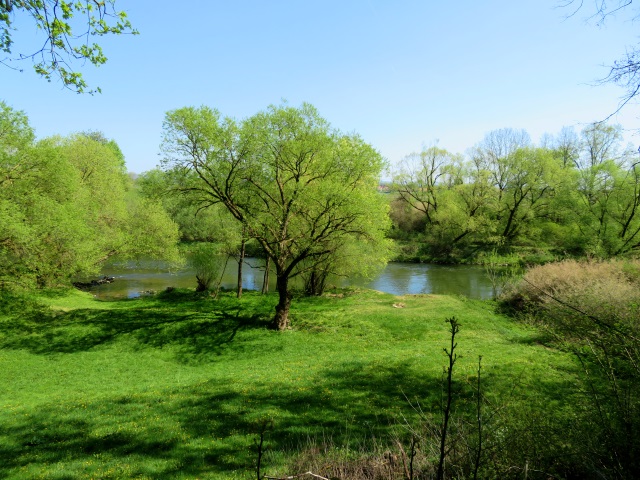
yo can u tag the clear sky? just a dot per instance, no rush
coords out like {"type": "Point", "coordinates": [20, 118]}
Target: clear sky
{"type": "Point", "coordinates": [402, 74]}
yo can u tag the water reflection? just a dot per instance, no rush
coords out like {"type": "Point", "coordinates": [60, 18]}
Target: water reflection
{"type": "Point", "coordinates": [133, 279]}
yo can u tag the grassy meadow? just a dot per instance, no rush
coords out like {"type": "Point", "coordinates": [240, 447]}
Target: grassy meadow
{"type": "Point", "coordinates": [179, 385]}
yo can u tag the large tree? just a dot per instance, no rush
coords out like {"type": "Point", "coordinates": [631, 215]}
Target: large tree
{"type": "Point", "coordinates": [66, 206]}
{"type": "Point", "coordinates": [300, 188]}
{"type": "Point", "coordinates": [66, 30]}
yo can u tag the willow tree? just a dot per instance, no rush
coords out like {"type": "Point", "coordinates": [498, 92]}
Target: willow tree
{"type": "Point", "coordinates": [66, 207]}
{"type": "Point", "coordinates": [420, 178]}
{"type": "Point", "coordinates": [299, 187]}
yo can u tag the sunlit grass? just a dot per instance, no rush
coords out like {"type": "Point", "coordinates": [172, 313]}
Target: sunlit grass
{"type": "Point", "coordinates": [178, 385]}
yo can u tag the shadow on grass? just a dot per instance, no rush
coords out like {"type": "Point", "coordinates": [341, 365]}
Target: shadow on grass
{"type": "Point", "coordinates": [206, 430]}
{"type": "Point", "coordinates": [209, 430]}
{"type": "Point", "coordinates": [198, 431]}
{"type": "Point", "coordinates": [192, 330]}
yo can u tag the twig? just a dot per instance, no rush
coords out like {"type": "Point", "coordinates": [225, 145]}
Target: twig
{"type": "Point", "coordinates": [403, 454]}
{"type": "Point", "coordinates": [479, 420]}
{"type": "Point", "coordinates": [263, 429]}
{"type": "Point", "coordinates": [266, 477]}
{"type": "Point", "coordinates": [454, 329]}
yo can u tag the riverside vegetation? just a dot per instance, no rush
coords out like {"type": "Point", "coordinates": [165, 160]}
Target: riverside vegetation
{"type": "Point", "coordinates": [542, 383]}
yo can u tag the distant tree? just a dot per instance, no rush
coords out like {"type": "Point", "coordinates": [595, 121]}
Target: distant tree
{"type": "Point", "coordinates": [468, 209]}
{"type": "Point", "coordinates": [608, 182]}
{"type": "Point", "coordinates": [301, 189]}
{"type": "Point", "coordinates": [600, 143]}
{"type": "Point", "coordinates": [453, 195]}
{"type": "Point", "coordinates": [625, 209]}
{"type": "Point", "coordinates": [494, 155]}
{"type": "Point", "coordinates": [208, 262]}
{"type": "Point", "coordinates": [566, 146]}
{"type": "Point", "coordinates": [418, 179]}
{"type": "Point", "coordinates": [522, 177]}
{"type": "Point", "coordinates": [67, 27]}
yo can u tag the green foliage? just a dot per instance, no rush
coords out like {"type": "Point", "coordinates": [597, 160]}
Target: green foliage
{"type": "Point", "coordinates": [208, 262]}
{"type": "Point", "coordinates": [419, 176]}
{"type": "Point", "coordinates": [302, 190]}
{"type": "Point", "coordinates": [67, 27]}
{"type": "Point", "coordinates": [66, 206]}
{"type": "Point", "coordinates": [591, 308]}
{"type": "Point", "coordinates": [172, 188]}
{"type": "Point", "coordinates": [579, 195]}
{"type": "Point", "coordinates": [363, 259]}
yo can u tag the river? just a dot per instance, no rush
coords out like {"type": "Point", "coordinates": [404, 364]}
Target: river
{"type": "Point", "coordinates": [133, 279]}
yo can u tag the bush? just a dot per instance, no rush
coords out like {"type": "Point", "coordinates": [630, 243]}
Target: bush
{"type": "Point", "coordinates": [593, 309]}
{"type": "Point", "coordinates": [208, 262]}
{"type": "Point", "coordinates": [580, 296]}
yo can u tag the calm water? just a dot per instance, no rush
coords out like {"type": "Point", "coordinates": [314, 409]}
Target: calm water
{"type": "Point", "coordinates": [133, 279]}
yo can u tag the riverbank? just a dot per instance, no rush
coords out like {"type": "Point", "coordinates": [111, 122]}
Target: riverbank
{"type": "Point", "coordinates": [137, 278]}
{"type": "Point", "coordinates": [178, 385]}
{"type": "Point", "coordinates": [413, 251]}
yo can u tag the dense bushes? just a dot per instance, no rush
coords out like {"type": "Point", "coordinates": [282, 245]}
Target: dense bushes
{"type": "Point", "coordinates": [588, 301]}
{"type": "Point", "coordinates": [593, 310]}
{"type": "Point", "coordinates": [67, 205]}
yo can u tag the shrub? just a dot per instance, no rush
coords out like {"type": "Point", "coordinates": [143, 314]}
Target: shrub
{"type": "Point", "coordinates": [592, 308]}
{"type": "Point", "coordinates": [207, 261]}
{"type": "Point", "coordinates": [580, 296]}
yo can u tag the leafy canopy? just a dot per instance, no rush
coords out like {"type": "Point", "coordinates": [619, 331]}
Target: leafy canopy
{"type": "Point", "coordinates": [303, 190]}
{"type": "Point", "coordinates": [66, 205]}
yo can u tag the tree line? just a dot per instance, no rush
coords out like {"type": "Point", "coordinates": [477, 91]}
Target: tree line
{"type": "Point", "coordinates": [67, 205]}
{"type": "Point", "coordinates": [304, 193]}
{"type": "Point", "coordinates": [305, 196]}
{"type": "Point", "coordinates": [575, 193]}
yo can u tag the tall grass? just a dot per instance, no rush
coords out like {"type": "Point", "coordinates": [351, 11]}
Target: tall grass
{"type": "Point", "coordinates": [581, 298]}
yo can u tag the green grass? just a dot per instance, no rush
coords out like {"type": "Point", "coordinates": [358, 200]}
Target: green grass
{"type": "Point", "coordinates": [179, 385]}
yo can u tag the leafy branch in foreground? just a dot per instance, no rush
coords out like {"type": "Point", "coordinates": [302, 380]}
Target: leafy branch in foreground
{"type": "Point", "coordinates": [67, 27]}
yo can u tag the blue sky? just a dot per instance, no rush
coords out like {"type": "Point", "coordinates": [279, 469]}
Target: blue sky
{"type": "Point", "coordinates": [402, 74]}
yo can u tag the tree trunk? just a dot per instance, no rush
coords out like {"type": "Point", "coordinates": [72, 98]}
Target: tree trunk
{"type": "Point", "coordinates": [240, 262]}
{"type": "Point", "coordinates": [312, 284]}
{"type": "Point", "coordinates": [281, 319]}
{"type": "Point", "coordinates": [265, 279]}
{"type": "Point", "coordinates": [316, 282]}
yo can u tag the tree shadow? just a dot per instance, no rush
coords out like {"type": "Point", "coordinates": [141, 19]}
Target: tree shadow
{"type": "Point", "coordinates": [210, 429]}
{"type": "Point", "coordinates": [193, 333]}
{"type": "Point", "coordinates": [207, 429]}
